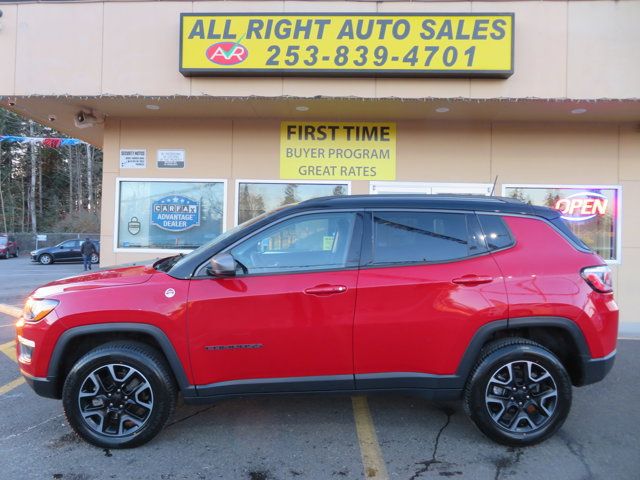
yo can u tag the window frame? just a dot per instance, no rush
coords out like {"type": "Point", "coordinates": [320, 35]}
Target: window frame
{"type": "Point", "coordinates": [514, 240]}
{"type": "Point", "coordinates": [366, 257]}
{"type": "Point", "coordinates": [236, 209]}
{"type": "Point", "coordinates": [356, 243]}
{"type": "Point", "coordinates": [421, 187]}
{"type": "Point", "coordinates": [174, 251]}
{"type": "Point", "coordinates": [618, 188]}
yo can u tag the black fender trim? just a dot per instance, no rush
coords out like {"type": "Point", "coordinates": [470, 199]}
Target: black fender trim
{"type": "Point", "coordinates": [158, 335]}
{"type": "Point", "coordinates": [471, 354]}
{"type": "Point", "coordinates": [484, 333]}
{"type": "Point", "coordinates": [558, 322]}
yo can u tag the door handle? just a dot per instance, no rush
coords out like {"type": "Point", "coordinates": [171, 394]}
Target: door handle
{"type": "Point", "coordinates": [325, 290]}
{"type": "Point", "coordinates": [472, 280]}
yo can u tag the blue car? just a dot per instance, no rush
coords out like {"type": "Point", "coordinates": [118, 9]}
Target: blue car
{"type": "Point", "coordinates": [67, 251]}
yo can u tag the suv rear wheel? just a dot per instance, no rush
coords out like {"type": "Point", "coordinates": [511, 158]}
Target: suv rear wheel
{"type": "Point", "coordinates": [119, 395]}
{"type": "Point", "coordinates": [519, 393]}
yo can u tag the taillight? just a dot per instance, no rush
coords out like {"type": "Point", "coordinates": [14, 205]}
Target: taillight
{"type": "Point", "coordinates": [598, 278]}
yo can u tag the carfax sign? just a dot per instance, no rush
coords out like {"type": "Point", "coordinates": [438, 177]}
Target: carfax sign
{"type": "Point", "coordinates": [175, 213]}
{"type": "Point", "coordinates": [338, 150]}
{"type": "Point", "coordinates": [348, 44]}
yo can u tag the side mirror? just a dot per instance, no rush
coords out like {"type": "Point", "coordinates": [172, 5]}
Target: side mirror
{"type": "Point", "coordinates": [222, 265]}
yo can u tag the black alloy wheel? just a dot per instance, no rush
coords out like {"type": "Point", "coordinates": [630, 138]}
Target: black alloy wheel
{"type": "Point", "coordinates": [119, 395]}
{"type": "Point", "coordinates": [519, 393]}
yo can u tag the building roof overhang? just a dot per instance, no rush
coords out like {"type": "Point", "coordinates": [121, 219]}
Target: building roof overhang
{"type": "Point", "coordinates": [59, 111]}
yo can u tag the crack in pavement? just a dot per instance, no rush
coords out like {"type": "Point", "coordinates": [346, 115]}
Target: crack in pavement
{"type": "Point", "coordinates": [427, 463]}
{"type": "Point", "coordinates": [506, 462]}
{"type": "Point", "coordinates": [180, 420]}
{"type": "Point", "coordinates": [27, 430]}
{"type": "Point", "coordinates": [577, 449]}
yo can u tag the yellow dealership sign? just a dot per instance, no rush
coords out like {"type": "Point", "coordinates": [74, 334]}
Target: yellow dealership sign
{"type": "Point", "coordinates": [449, 44]}
{"type": "Point", "coordinates": [338, 150]}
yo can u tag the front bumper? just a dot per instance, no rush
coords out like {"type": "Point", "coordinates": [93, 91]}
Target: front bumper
{"type": "Point", "coordinates": [42, 386]}
{"type": "Point", "coordinates": [595, 369]}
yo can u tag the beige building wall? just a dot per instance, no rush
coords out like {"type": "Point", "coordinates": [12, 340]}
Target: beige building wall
{"type": "Point", "coordinates": [426, 151]}
{"type": "Point", "coordinates": [563, 49]}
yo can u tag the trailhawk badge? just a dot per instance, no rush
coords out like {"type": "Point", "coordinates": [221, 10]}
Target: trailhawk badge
{"type": "Point", "coordinates": [227, 53]}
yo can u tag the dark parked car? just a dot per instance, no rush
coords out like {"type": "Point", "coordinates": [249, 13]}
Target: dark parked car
{"type": "Point", "coordinates": [8, 246]}
{"type": "Point", "coordinates": [67, 251]}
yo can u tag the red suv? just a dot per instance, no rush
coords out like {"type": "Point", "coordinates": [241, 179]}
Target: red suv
{"type": "Point", "coordinates": [486, 299]}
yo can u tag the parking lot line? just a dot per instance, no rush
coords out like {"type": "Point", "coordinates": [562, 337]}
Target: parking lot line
{"type": "Point", "coordinates": [7, 387]}
{"type": "Point", "coordinates": [374, 466]}
{"type": "Point", "coordinates": [10, 310]}
{"type": "Point", "coordinates": [9, 349]}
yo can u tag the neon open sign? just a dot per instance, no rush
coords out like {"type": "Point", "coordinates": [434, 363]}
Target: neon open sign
{"type": "Point", "coordinates": [582, 206]}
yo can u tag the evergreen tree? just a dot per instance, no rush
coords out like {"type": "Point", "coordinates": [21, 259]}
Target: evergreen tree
{"type": "Point", "coordinates": [56, 189]}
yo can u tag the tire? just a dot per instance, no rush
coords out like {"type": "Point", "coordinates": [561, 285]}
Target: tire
{"type": "Point", "coordinates": [537, 407]}
{"type": "Point", "coordinates": [45, 259]}
{"type": "Point", "coordinates": [95, 258]}
{"type": "Point", "coordinates": [119, 374]}
{"type": "Point", "coordinates": [6, 255]}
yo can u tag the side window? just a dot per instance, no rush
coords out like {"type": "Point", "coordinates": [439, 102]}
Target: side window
{"type": "Point", "coordinates": [307, 242]}
{"type": "Point", "coordinates": [496, 233]}
{"type": "Point", "coordinates": [69, 244]}
{"type": "Point", "coordinates": [415, 237]}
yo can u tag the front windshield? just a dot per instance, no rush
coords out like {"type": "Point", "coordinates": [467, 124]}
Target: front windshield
{"type": "Point", "coordinates": [166, 265]}
{"type": "Point", "coordinates": [3, 240]}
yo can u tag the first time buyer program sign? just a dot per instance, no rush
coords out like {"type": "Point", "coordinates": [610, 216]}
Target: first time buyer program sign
{"type": "Point", "coordinates": [338, 150]}
{"type": "Point", "coordinates": [438, 44]}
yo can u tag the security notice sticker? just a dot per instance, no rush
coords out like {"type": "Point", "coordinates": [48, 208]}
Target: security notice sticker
{"type": "Point", "coordinates": [439, 44]}
{"type": "Point", "coordinates": [338, 151]}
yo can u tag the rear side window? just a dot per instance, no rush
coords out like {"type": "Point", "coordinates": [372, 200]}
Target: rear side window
{"type": "Point", "coordinates": [496, 233]}
{"type": "Point", "coordinates": [416, 237]}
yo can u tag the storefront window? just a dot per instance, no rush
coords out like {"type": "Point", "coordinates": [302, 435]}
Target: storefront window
{"type": "Point", "coordinates": [163, 214]}
{"type": "Point", "coordinates": [591, 212]}
{"type": "Point", "coordinates": [255, 198]}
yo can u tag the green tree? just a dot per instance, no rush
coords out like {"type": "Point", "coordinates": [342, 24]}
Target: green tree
{"type": "Point", "coordinates": [290, 194]}
{"type": "Point", "coordinates": [41, 186]}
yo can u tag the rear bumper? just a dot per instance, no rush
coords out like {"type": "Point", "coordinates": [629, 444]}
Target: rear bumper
{"type": "Point", "coordinates": [595, 369]}
{"type": "Point", "coordinates": [42, 386]}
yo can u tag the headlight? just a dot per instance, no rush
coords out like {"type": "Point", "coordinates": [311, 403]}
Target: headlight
{"type": "Point", "coordinates": [32, 253]}
{"type": "Point", "coordinates": [36, 310]}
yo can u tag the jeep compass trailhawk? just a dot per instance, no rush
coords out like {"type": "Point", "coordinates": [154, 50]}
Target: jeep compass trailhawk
{"type": "Point", "coordinates": [485, 299]}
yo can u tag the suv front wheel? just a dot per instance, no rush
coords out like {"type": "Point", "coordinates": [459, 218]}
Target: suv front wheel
{"type": "Point", "coordinates": [519, 393]}
{"type": "Point", "coordinates": [119, 395]}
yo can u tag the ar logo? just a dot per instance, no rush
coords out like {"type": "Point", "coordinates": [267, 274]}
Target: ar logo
{"type": "Point", "coordinates": [227, 53]}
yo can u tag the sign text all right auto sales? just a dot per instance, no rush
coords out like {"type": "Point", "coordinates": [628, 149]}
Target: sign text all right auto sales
{"type": "Point", "coordinates": [338, 151]}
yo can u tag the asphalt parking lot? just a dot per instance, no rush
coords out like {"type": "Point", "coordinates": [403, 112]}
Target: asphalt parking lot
{"type": "Point", "coordinates": [306, 437]}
